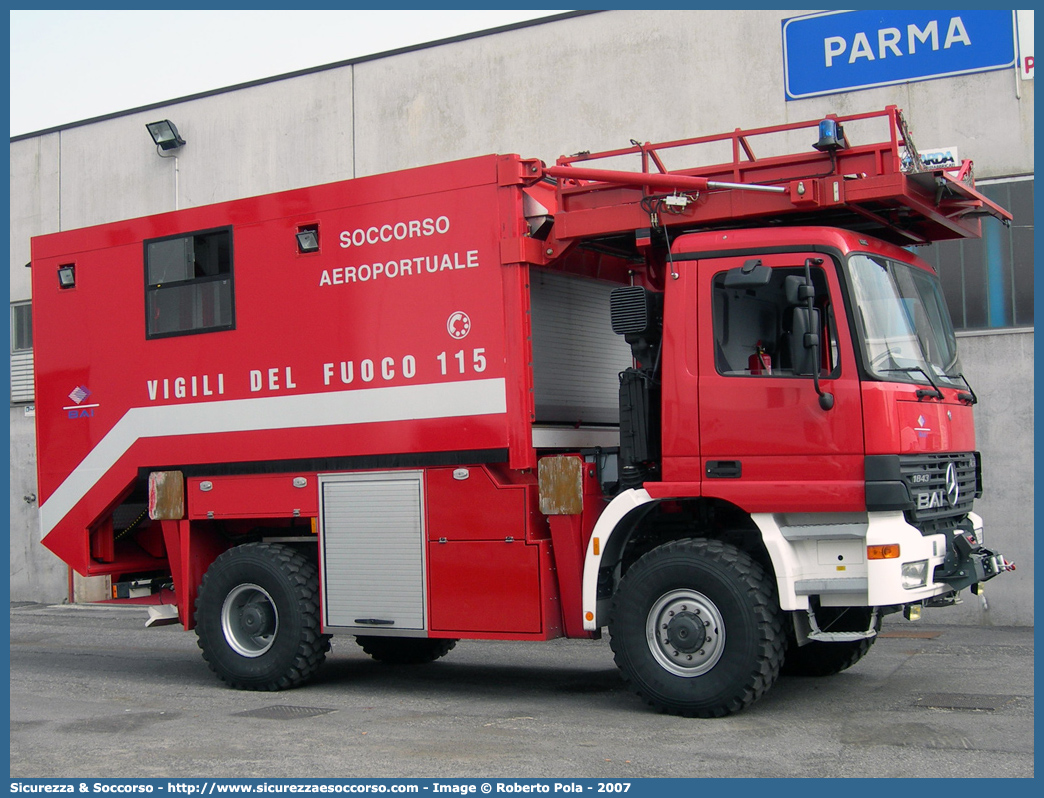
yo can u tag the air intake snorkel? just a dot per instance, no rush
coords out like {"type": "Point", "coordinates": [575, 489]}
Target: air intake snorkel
{"type": "Point", "coordinates": [637, 314]}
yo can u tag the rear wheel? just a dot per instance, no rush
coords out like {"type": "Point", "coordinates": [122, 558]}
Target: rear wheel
{"type": "Point", "coordinates": [405, 650]}
{"type": "Point", "coordinates": [257, 618]}
{"type": "Point", "coordinates": [696, 629]}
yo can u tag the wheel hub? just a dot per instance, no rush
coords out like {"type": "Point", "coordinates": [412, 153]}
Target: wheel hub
{"type": "Point", "coordinates": [257, 619]}
{"type": "Point", "coordinates": [685, 633]}
{"type": "Point", "coordinates": [249, 620]}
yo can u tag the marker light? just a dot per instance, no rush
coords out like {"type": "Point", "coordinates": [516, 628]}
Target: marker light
{"type": "Point", "coordinates": [887, 551]}
{"type": "Point", "coordinates": [596, 547]}
{"type": "Point", "coordinates": [308, 239]}
{"type": "Point", "coordinates": [67, 276]}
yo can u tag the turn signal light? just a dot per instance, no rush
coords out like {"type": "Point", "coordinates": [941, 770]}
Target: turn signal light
{"type": "Point", "coordinates": [888, 551]}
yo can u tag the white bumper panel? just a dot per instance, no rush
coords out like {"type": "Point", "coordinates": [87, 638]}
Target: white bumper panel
{"type": "Point", "coordinates": [827, 556]}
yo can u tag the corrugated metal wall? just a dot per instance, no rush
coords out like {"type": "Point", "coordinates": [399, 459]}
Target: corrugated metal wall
{"type": "Point", "coordinates": [22, 377]}
{"type": "Point", "coordinates": [576, 355]}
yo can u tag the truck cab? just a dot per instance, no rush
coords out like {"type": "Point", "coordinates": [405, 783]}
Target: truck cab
{"type": "Point", "coordinates": [812, 413]}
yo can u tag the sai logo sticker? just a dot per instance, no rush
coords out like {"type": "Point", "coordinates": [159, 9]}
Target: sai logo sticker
{"type": "Point", "coordinates": [79, 395]}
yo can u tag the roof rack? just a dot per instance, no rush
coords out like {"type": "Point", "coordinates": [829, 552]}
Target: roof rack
{"type": "Point", "coordinates": [881, 188]}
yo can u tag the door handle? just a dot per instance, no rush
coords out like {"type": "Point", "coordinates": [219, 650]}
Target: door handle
{"type": "Point", "coordinates": [724, 469]}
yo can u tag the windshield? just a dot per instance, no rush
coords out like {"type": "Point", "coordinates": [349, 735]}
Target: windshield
{"type": "Point", "coordinates": [902, 319]}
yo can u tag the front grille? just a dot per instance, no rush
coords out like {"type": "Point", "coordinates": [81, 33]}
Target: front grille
{"type": "Point", "coordinates": [925, 476]}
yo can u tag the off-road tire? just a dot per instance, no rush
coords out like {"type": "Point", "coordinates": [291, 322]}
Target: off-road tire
{"type": "Point", "coordinates": [257, 618]}
{"type": "Point", "coordinates": [405, 650]}
{"type": "Point", "coordinates": [704, 668]}
{"type": "Point", "coordinates": [817, 658]}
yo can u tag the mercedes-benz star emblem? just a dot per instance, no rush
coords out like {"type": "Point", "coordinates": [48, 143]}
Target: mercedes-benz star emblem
{"type": "Point", "coordinates": [953, 488]}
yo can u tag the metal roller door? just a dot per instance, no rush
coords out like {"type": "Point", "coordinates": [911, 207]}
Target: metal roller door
{"type": "Point", "coordinates": [372, 528]}
{"type": "Point", "coordinates": [577, 358]}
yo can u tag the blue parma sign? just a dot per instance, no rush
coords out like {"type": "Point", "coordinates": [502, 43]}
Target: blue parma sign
{"type": "Point", "coordinates": [848, 50]}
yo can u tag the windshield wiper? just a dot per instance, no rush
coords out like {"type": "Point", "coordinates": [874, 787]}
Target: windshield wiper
{"type": "Point", "coordinates": [921, 392]}
{"type": "Point", "coordinates": [969, 397]}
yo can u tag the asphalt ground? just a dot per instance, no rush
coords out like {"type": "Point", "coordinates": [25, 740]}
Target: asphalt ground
{"type": "Point", "coordinates": [94, 694]}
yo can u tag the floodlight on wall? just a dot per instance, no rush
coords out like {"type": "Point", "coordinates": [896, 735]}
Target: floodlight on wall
{"type": "Point", "coordinates": [165, 135]}
{"type": "Point", "coordinates": [168, 142]}
{"type": "Point", "coordinates": [67, 276]}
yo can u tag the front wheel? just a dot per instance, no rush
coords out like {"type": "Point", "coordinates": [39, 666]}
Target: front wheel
{"type": "Point", "coordinates": [825, 658]}
{"type": "Point", "coordinates": [696, 629]}
{"type": "Point", "coordinates": [817, 658]}
{"type": "Point", "coordinates": [257, 618]}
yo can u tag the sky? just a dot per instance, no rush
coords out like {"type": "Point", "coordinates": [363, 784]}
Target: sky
{"type": "Point", "coordinates": [67, 66]}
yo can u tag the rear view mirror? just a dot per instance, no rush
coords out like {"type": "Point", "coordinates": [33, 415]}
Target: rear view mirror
{"type": "Point", "coordinates": [750, 275]}
{"type": "Point", "coordinates": [804, 340]}
{"type": "Point", "coordinates": [798, 290]}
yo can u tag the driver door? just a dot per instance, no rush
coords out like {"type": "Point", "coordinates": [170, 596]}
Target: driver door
{"type": "Point", "coordinates": [766, 443]}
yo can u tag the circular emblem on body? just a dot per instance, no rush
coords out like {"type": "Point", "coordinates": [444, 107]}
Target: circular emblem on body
{"type": "Point", "coordinates": [458, 325]}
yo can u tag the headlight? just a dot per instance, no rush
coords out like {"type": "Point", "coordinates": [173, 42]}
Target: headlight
{"type": "Point", "coordinates": [915, 574]}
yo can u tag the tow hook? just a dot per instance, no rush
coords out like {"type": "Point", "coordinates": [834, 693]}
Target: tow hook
{"type": "Point", "coordinates": [976, 564]}
{"type": "Point", "coordinates": [995, 564]}
{"type": "Point", "coordinates": [1000, 565]}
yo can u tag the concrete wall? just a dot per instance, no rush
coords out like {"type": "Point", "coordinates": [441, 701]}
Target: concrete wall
{"type": "Point", "coordinates": [36, 574]}
{"type": "Point", "coordinates": [35, 202]}
{"type": "Point", "coordinates": [586, 83]}
{"type": "Point", "coordinates": [267, 138]}
{"type": "Point", "coordinates": [999, 367]}
{"type": "Point", "coordinates": [595, 82]}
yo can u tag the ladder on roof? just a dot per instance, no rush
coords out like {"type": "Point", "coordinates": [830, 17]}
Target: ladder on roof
{"type": "Point", "coordinates": [880, 188]}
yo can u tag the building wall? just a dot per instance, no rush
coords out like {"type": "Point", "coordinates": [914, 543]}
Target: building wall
{"type": "Point", "coordinates": [36, 574]}
{"type": "Point", "coordinates": [590, 82]}
{"type": "Point", "coordinates": [999, 367]}
{"type": "Point", "coordinates": [595, 82]}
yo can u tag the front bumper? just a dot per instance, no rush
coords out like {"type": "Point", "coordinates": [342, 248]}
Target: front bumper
{"type": "Point", "coordinates": [828, 560]}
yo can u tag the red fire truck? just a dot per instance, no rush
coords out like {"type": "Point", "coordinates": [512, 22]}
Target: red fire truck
{"type": "Point", "coordinates": [717, 410]}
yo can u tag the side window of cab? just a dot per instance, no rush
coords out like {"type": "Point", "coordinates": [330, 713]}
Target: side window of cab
{"type": "Point", "coordinates": [761, 325]}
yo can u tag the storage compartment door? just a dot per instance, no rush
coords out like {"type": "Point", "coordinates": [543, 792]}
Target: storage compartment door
{"type": "Point", "coordinates": [485, 586]}
{"type": "Point", "coordinates": [372, 529]}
